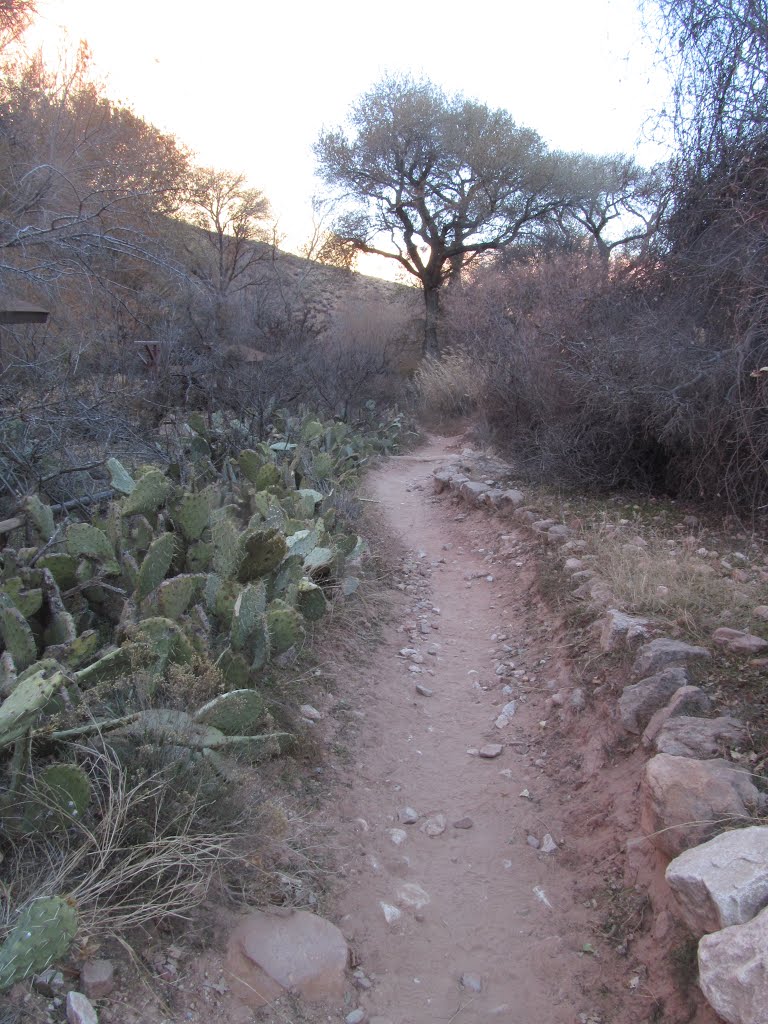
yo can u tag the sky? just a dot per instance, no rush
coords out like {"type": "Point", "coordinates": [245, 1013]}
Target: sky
{"type": "Point", "coordinates": [249, 84]}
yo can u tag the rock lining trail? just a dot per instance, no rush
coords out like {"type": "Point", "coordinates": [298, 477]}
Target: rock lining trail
{"type": "Point", "coordinates": [452, 905]}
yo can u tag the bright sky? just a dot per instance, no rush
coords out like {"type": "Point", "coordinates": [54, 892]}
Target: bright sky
{"type": "Point", "coordinates": [248, 84]}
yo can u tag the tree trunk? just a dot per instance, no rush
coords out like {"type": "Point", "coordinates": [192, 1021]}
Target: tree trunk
{"type": "Point", "coordinates": [432, 310]}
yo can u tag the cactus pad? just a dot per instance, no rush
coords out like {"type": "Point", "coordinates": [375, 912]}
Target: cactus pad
{"type": "Point", "coordinates": [192, 514]}
{"type": "Point", "coordinates": [27, 601]}
{"type": "Point", "coordinates": [175, 595]}
{"type": "Point", "coordinates": [43, 932]}
{"type": "Point", "coordinates": [30, 695]}
{"type": "Point", "coordinates": [17, 637]}
{"type": "Point", "coordinates": [312, 603]}
{"type": "Point", "coordinates": [41, 516]}
{"type": "Point", "coordinates": [65, 788]}
{"type": "Point", "coordinates": [320, 562]}
{"type": "Point", "coordinates": [262, 551]}
{"type": "Point", "coordinates": [87, 540]}
{"type": "Point", "coordinates": [226, 552]}
{"type": "Point", "coordinates": [148, 495]}
{"type": "Point", "coordinates": [120, 478]}
{"type": "Point", "coordinates": [236, 713]}
{"type": "Point", "coordinates": [248, 610]}
{"type": "Point", "coordinates": [285, 627]}
{"type": "Point", "coordinates": [250, 463]}
{"type": "Point", "coordinates": [156, 564]}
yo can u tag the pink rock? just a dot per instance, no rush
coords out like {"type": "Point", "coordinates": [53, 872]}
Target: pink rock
{"type": "Point", "coordinates": [732, 971]}
{"type": "Point", "coordinates": [97, 978]}
{"type": "Point", "coordinates": [685, 800]}
{"type": "Point", "coordinates": [80, 1010]}
{"type": "Point", "coordinates": [688, 700]}
{"type": "Point", "coordinates": [268, 954]}
{"type": "Point", "coordinates": [738, 642]}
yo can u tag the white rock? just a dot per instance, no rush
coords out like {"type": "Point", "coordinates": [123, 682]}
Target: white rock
{"type": "Point", "coordinates": [391, 914]}
{"type": "Point", "coordinates": [397, 835]}
{"type": "Point", "coordinates": [434, 825]}
{"type": "Point", "coordinates": [80, 1010]}
{"type": "Point", "coordinates": [356, 1017]}
{"type": "Point", "coordinates": [307, 711]}
{"type": "Point", "coordinates": [733, 974]}
{"type": "Point", "coordinates": [723, 882]}
{"type": "Point", "coordinates": [407, 815]}
{"type": "Point", "coordinates": [548, 844]}
{"type": "Point", "coordinates": [411, 894]}
{"type": "Point", "coordinates": [491, 750]}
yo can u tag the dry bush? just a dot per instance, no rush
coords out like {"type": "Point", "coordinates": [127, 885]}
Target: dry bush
{"type": "Point", "coordinates": [450, 386]}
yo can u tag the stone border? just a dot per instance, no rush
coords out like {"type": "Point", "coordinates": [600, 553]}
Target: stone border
{"type": "Point", "coordinates": [719, 879]}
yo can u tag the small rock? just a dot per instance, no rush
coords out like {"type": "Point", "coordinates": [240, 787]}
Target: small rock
{"type": "Point", "coordinates": [356, 1017]}
{"type": "Point", "coordinates": [703, 738]}
{"type": "Point", "coordinates": [738, 642]}
{"type": "Point", "coordinates": [97, 978]}
{"type": "Point", "coordinates": [578, 701]}
{"type": "Point", "coordinates": [407, 816]}
{"type": "Point", "coordinates": [491, 750]}
{"type": "Point", "coordinates": [397, 835]}
{"type": "Point", "coordinates": [548, 844]}
{"type": "Point", "coordinates": [424, 690]}
{"type": "Point", "coordinates": [663, 653]}
{"type": "Point", "coordinates": [761, 612]}
{"type": "Point", "coordinates": [688, 700]}
{"type": "Point", "coordinates": [463, 823]}
{"type": "Point", "coordinates": [391, 914]}
{"type": "Point", "coordinates": [49, 983]}
{"type": "Point", "coordinates": [435, 825]}
{"type": "Point", "coordinates": [80, 1010]}
{"type": "Point", "coordinates": [471, 982]}
{"type": "Point", "coordinates": [410, 894]}
{"type": "Point", "coordinates": [361, 979]}
{"type": "Point", "coordinates": [307, 711]}
{"type": "Point", "coordinates": [534, 842]}
{"type": "Point", "coordinates": [618, 628]}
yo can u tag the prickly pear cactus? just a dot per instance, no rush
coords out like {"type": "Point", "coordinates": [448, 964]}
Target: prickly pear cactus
{"type": "Point", "coordinates": [156, 564]}
{"type": "Point", "coordinates": [236, 713]}
{"type": "Point", "coordinates": [226, 546]}
{"type": "Point", "coordinates": [249, 607]}
{"type": "Point", "coordinates": [41, 516]}
{"type": "Point", "coordinates": [43, 932]}
{"type": "Point", "coordinates": [175, 595]}
{"type": "Point", "coordinates": [312, 603]}
{"type": "Point", "coordinates": [320, 562]}
{"type": "Point", "coordinates": [65, 788]}
{"type": "Point", "coordinates": [30, 695]}
{"type": "Point", "coordinates": [250, 463]}
{"type": "Point", "coordinates": [27, 600]}
{"type": "Point", "coordinates": [87, 540]}
{"type": "Point", "coordinates": [262, 551]}
{"type": "Point", "coordinates": [192, 514]}
{"type": "Point", "coordinates": [17, 637]}
{"type": "Point", "coordinates": [148, 495]}
{"type": "Point", "coordinates": [120, 478]}
{"type": "Point", "coordinates": [285, 627]}
{"type": "Point", "coordinates": [63, 568]}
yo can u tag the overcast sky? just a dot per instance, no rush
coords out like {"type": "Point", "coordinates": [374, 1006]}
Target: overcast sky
{"type": "Point", "coordinates": [248, 84]}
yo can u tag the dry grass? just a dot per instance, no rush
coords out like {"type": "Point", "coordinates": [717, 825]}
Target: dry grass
{"type": "Point", "coordinates": [450, 386]}
{"type": "Point", "coordinates": [671, 580]}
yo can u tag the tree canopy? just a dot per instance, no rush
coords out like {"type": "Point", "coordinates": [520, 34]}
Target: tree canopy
{"type": "Point", "coordinates": [432, 180]}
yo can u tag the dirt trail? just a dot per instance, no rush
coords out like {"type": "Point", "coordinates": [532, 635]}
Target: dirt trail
{"type": "Point", "coordinates": [498, 907]}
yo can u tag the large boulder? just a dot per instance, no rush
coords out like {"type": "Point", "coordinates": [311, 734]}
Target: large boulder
{"type": "Point", "coordinates": [688, 700]}
{"type": "Point", "coordinates": [684, 801]}
{"type": "Point", "coordinates": [723, 882]}
{"type": "Point", "coordinates": [733, 971]}
{"type": "Point", "coordinates": [662, 653]}
{"type": "Point", "coordinates": [473, 491]}
{"type": "Point", "coordinates": [700, 737]}
{"type": "Point", "coordinates": [268, 954]}
{"type": "Point", "coordinates": [442, 480]}
{"type": "Point", "coordinates": [640, 701]}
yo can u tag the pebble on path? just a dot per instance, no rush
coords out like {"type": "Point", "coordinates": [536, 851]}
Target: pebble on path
{"type": "Point", "coordinates": [463, 823]}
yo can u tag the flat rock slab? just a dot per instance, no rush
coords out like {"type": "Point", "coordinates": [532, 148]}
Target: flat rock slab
{"type": "Point", "coordinates": [738, 642]}
{"type": "Point", "coordinates": [723, 882]}
{"type": "Point", "coordinates": [639, 701]}
{"type": "Point", "coordinates": [685, 800]}
{"type": "Point", "coordinates": [663, 653]}
{"type": "Point", "coordinates": [686, 736]}
{"type": "Point", "coordinates": [732, 971]}
{"type": "Point", "coordinates": [268, 954]}
{"type": "Point", "coordinates": [688, 700]}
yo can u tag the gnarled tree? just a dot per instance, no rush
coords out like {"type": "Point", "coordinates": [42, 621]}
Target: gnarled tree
{"type": "Point", "coordinates": [432, 180]}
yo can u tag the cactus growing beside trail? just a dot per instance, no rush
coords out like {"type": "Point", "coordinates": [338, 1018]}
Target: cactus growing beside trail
{"type": "Point", "coordinates": [43, 932]}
